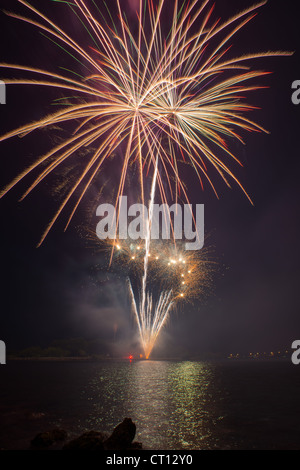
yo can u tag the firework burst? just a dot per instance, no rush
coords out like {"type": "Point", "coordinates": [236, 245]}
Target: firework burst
{"type": "Point", "coordinates": [144, 94]}
{"type": "Point", "coordinates": [161, 280]}
{"type": "Point", "coordinates": [159, 96]}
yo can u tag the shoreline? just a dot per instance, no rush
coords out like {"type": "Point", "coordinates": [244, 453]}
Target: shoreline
{"type": "Point", "coordinates": [122, 359]}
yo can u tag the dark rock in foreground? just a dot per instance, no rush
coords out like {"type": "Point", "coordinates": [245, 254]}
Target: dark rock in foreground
{"type": "Point", "coordinates": [92, 440]}
{"type": "Point", "coordinates": [121, 439]}
{"type": "Point", "coordinates": [48, 438]}
{"type": "Point", "coordinates": [122, 436]}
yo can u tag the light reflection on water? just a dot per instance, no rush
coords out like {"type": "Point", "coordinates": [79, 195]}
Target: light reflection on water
{"type": "Point", "coordinates": [170, 401]}
{"type": "Point", "coordinates": [175, 405]}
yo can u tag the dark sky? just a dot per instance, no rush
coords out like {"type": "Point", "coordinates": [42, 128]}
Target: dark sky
{"type": "Point", "coordinates": [57, 291]}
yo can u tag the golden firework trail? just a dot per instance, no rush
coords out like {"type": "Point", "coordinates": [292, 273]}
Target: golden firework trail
{"type": "Point", "coordinates": [166, 268]}
{"type": "Point", "coordinates": [161, 275]}
{"type": "Point", "coordinates": [151, 314]}
{"type": "Point", "coordinates": [150, 323]}
{"type": "Point", "coordinates": [170, 276]}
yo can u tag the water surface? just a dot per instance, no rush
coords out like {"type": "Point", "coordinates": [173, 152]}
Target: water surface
{"type": "Point", "coordinates": [175, 405]}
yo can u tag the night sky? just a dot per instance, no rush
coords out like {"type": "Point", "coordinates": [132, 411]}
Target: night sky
{"type": "Point", "coordinates": [57, 291]}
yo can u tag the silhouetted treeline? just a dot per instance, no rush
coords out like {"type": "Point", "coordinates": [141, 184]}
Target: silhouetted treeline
{"type": "Point", "coordinates": [73, 347]}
